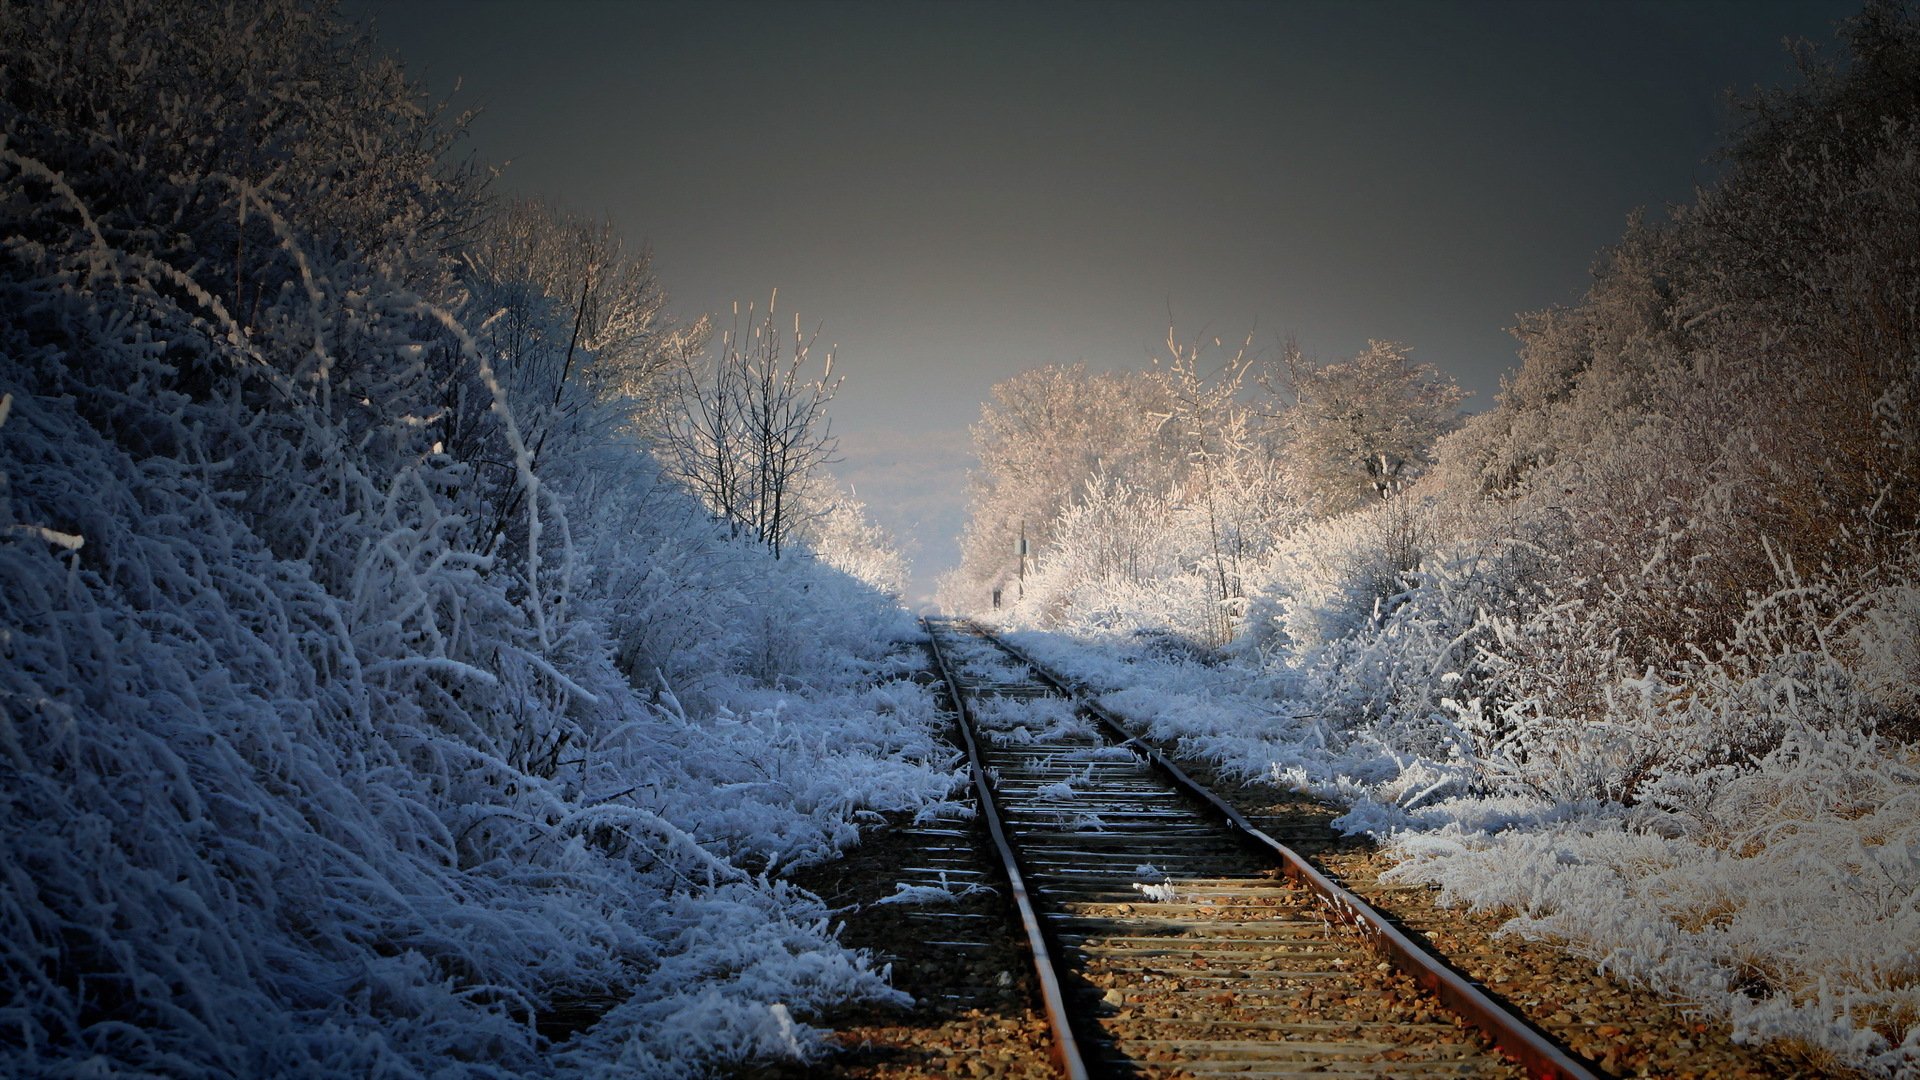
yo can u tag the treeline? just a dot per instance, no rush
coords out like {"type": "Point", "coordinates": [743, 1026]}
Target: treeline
{"type": "Point", "coordinates": [1632, 658]}
{"type": "Point", "coordinates": [1688, 524]}
{"type": "Point", "coordinates": [376, 686]}
{"type": "Point", "coordinates": [1174, 482]}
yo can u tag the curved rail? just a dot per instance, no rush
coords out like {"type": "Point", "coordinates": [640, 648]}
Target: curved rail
{"type": "Point", "coordinates": [1508, 1031]}
{"type": "Point", "coordinates": [1066, 1048]}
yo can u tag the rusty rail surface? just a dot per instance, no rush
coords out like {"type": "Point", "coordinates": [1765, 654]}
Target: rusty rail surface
{"type": "Point", "coordinates": [1511, 1033]}
{"type": "Point", "coordinates": [1066, 1049]}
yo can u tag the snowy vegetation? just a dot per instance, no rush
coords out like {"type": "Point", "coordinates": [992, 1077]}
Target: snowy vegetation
{"type": "Point", "coordinates": [1632, 654]}
{"type": "Point", "coordinates": [372, 702]}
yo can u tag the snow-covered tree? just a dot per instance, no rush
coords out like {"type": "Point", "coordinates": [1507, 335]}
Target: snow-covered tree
{"type": "Point", "coordinates": [1041, 438]}
{"type": "Point", "coordinates": [578, 340]}
{"type": "Point", "coordinates": [838, 530]}
{"type": "Point", "coordinates": [554, 290]}
{"type": "Point", "coordinates": [1227, 484]}
{"type": "Point", "coordinates": [751, 428]}
{"type": "Point", "coordinates": [1359, 429]}
{"type": "Point", "coordinates": [314, 765]}
{"type": "Point", "coordinates": [1155, 484]}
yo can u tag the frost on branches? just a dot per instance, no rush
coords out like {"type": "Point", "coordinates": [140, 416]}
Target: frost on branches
{"type": "Point", "coordinates": [369, 697]}
{"type": "Point", "coordinates": [1631, 656]}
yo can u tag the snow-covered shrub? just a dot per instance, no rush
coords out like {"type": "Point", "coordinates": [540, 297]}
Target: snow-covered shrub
{"type": "Point", "coordinates": [1883, 653]}
{"type": "Point", "coordinates": [1640, 659]}
{"type": "Point", "coordinates": [1043, 435]}
{"type": "Point", "coordinates": [1779, 897]}
{"type": "Point", "coordinates": [1332, 577]}
{"type": "Point", "coordinates": [1107, 548]}
{"type": "Point", "coordinates": [839, 532]}
{"type": "Point", "coordinates": [333, 738]}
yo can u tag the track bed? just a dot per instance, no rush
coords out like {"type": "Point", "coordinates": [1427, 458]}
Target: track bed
{"type": "Point", "coordinates": [1178, 947]}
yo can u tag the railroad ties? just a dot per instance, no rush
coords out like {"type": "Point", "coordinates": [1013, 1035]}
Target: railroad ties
{"type": "Point", "coordinates": [1173, 946]}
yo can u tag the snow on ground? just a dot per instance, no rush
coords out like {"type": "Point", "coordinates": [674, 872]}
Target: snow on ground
{"type": "Point", "coordinates": [242, 842]}
{"type": "Point", "coordinates": [1784, 899]}
{"type": "Point", "coordinates": [1630, 654]}
{"type": "Point", "coordinates": [368, 695]}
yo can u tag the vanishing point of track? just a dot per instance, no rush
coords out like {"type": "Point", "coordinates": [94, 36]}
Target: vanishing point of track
{"type": "Point", "coordinates": [1171, 937]}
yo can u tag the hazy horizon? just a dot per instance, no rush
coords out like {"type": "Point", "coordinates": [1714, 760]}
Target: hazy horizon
{"type": "Point", "coordinates": [958, 192]}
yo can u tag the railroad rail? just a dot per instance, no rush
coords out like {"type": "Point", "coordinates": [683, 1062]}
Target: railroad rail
{"type": "Point", "coordinates": [1169, 936]}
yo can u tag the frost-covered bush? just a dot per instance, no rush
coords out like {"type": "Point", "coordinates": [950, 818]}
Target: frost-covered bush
{"type": "Point", "coordinates": [838, 532]}
{"type": "Point", "coordinates": [1779, 897]}
{"type": "Point", "coordinates": [341, 633]}
{"type": "Point", "coordinates": [1170, 566]}
{"type": "Point", "coordinates": [1109, 560]}
{"type": "Point", "coordinates": [1637, 657]}
{"type": "Point", "coordinates": [1329, 578]}
{"type": "Point", "coordinates": [1712, 457]}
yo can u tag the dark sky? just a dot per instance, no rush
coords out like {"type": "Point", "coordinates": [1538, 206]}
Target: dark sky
{"type": "Point", "coordinates": [961, 191]}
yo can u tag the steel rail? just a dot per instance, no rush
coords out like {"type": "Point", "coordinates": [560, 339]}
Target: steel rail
{"type": "Point", "coordinates": [1540, 1055]}
{"type": "Point", "coordinates": [1066, 1048]}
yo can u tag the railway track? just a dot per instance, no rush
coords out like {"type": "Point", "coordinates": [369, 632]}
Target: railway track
{"type": "Point", "coordinates": [1172, 938]}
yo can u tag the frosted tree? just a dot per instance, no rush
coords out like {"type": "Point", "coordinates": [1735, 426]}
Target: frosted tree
{"type": "Point", "coordinates": [1040, 439]}
{"type": "Point", "coordinates": [1359, 429]}
{"type": "Point", "coordinates": [839, 532]}
{"type": "Point", "coordinates": [561, 289]}
{"type": "Point", "coordinates": [573, 325]}
{"type": "Point", "coordinates": [751, 428]}
{"type": "Point", "coordinates": [1142, 497]}
{"type": "Point", "coordinates": [1224, 482]}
